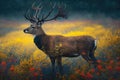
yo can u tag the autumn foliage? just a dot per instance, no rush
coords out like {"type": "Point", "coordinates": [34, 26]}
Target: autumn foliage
{"type": "Point", "coordinates": [21, 64]}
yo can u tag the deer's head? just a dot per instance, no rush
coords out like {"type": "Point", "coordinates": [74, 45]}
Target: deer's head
{"type": "Point", "coordinates": [36, 21]}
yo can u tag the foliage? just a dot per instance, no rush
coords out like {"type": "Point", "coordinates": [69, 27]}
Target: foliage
{"type": "Point", "coordinates": [19, 63]}
{"type": "Point", "coordinates": [2, 56]}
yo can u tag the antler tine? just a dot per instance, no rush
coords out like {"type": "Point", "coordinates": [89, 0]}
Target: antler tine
{"type": "Point", "coordinates": [49, 13]}
{"type": "Point", "coordinates": [34, 17]}
{"type": "Point", "coordinates": [34, 8]}
{"type": "Point", "coordinates": [37, 10]}
{"type": "Point", "coordinates": [60, 13]}
{"type": "Point", "coordinates": [33, 4]}
{"type": "Point", "coordinates": [27, 15]}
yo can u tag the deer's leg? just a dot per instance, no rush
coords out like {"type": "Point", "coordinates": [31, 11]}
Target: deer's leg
{"type": "Point", "coordinates": [94, 60]}
{"type": "Point", "coordinates": [86, 57]}
{"type": "Point", "coordinates": [53, 64]}
{"type": "Point", "coordinates": [91, 55]}
{"type": "Point", "coordinates": [59, 62]}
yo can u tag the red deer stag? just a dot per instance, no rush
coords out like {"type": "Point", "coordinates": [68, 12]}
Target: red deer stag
{"type": "Point", "coordinates": [58, 46]}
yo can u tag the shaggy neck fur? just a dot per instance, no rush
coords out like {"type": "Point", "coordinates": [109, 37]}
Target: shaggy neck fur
{"type": "Point", "coordinates": [40, 32]}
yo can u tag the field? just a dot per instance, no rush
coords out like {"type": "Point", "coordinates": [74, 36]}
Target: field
{"type": "Point", "coordinates": [21, 60]}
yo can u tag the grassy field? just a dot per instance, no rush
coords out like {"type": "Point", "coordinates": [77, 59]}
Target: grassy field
{"type": "Point", "coordinates": [21, 60]}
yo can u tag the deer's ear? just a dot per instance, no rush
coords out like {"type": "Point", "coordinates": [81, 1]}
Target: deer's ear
{"type": "Point", "coordinates": [32, 21]}
{"type": "Point", "coordinates": [39, 23]}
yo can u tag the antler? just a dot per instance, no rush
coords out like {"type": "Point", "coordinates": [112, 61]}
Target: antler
{"type": "Point", "coordinates": [37, 9]}
{"type": "Point", "coordinates": [49, 13]}
{"type": "Point", "coordinates": [61, 13]}
{"type": "Point", "coordinates": [28, 16]}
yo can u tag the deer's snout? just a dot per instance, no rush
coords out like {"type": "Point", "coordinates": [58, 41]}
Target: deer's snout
{"type": "Point", "coordinates": [25, 30]}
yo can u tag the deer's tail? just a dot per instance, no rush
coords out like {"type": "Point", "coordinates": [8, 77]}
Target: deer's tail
{"type": "Point", "coordinates": [95, 45]}
{"type": "Point", "coordinates": [92, 51]}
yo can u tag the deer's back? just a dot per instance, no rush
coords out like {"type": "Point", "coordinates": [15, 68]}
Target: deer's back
{"type": "Point", "coordinates": [59, 45]}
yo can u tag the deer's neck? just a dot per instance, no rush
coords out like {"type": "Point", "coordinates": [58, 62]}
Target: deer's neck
{"type": "Point", "coordinates": [40, 32]}
{"type": "Point", "coordinates": [38, 40]}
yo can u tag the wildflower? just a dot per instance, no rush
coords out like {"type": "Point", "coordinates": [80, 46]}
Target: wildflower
{"type": "Point", "coordinates": [99, 61]}
{"type": "Point", "coordinates": [111, 62]}
{"type": "Point", "coordinates": [109, 68]}
{"type": "Point", "coordinates": [12, 68]}
{"type": "Point", "coordinates": [32, 69]}
{"type": "Point", "coordinates": [72, 77]}
{"type": "Point", "coordinates": [92, 70]}
{"type": "Point", "coordinates": [89, 76]}
{"type": "Point", "coordinates": [117, 68]}
{"type": "Point", "coordinates": [3, 63]}
{"type": "Point", "coordinates": [100, 67]}
{"type": "Point", "coordinates": [98, 73]}
{"type": "Point", "coordinates": [82, 74]}
{"type": "Point", "coordinates": [35, 74]}
{"type": "Point", "coordinates": [77, 71]}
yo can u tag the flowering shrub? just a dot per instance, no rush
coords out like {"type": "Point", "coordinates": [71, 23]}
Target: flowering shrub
{"type": "Point", "coordinates": [35, 67]}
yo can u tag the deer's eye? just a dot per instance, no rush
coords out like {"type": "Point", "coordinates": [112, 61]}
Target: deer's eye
{"type": "Point", "coordinates": [32, 27]}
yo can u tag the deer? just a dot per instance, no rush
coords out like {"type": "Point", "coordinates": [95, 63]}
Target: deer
{"type": "Point", "coordinates": [57, 46]}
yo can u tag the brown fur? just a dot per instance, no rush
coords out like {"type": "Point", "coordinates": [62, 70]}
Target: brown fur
{"type": "Point", "coordinates": [66, 46]}
{"type": "Point", "coordinates": [58, 46]}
